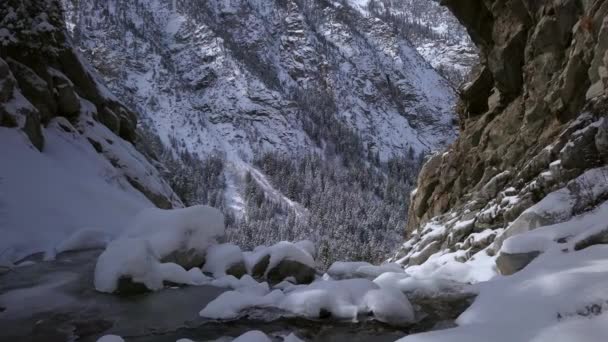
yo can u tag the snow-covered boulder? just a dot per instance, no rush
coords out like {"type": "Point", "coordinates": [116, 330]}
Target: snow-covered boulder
{"type": "Point", "coordinates": [225, 259]}
{"type": "Point", "coordinates": [253, 336]}
{"type": "Point", "coordinates": [181, 236]}
{"type": "Point", "coordinates": [130, 266]}
{"type": "Point", "coordinates": [337, 299]}
{"type": "Point", "coordinates": [157, 248]}
{"type": "Point", "coordinates": [282, 261]}
{"type": "Point", "coordinates": [360, 269]}
{"type": "Point", "coordinates": [345, 269]}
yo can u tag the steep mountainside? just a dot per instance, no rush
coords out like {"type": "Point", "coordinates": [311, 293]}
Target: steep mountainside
{"type": "Point", "coordinates": [284, 96]}
{"type": "Point", "coordinates": [533, 122]}
{"type": "Point", "coordinates": [65, 141]}
{"type": "Point", "coordinates": [432, 29]}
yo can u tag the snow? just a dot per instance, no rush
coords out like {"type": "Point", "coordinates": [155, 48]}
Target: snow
{"type": "Point", "coordinates": [193, 228]}
{"type": "Point", "coordinates": [220, 257]}
{"type": "Point", "coordinates": [246, 284]}
{"type": "Point", "coordinates": [46, 197]}
{"type": "Point", "coordinates": [373, 271]}
{"type": "Point", "coordinates": [282, 250]}
{"type": "Point", "coordinates": [292, 338]}
{"type": "Point", "coordinates": [84, 239]}
{"type": "Point", "coordinates": [548, 297]}
{"type": "Point", "coordinates": [110, 338]}
{"type": "Point", "coordinates": [229, 304]}
{"type": "Point", "coordinates": [559, 296]}
{"type": "Point", "coordinates": [253, 336]}
{"type": "Point", "coordinates": [389, 305]}
{"type": "Point", "coordinates": [546, 237]}
{"type": "Point", "coordinates": [343, 299]}
{"type": "Point", "coordinates": [155, 233]}
{"type": "Point", "coordinates": [135, 259]}
{"type": "Point", "coordinates": [307, 246]}
{"type": "Point", "coordinates": [344, 269]}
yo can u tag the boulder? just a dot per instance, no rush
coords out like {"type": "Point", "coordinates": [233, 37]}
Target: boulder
{"type": "Point", "coordinates": [186, 259]}
{"type": "Point", "coordinates": [303, 274]}
{"type": "Point", "coordinates": [237, 270]}
{"type": "Point", "coordinates": [109, 119]}
{"type": "Point", "coordinates": [508, 263]}
{"type": "Point", "coordinates": [68, 102]}
{"type": "Point", "coordinates": [293, 263]}
{"type": "Point", "coordinates": [598, 238]}
{"type": "Point", "coordinates": [580, 152]}
{"type": "Point", "coordinates": [259, 269]}
{"type": "Point", "coordinates": [424, 254]}
{"type": "Point", "coordinates": [33, 128]}
{"type": "Point", "coordinates": [35, 89]}
{"type": "Point", "coordinates": [601, 140]}
{"type": "Point", "coordinates": [127, 287]}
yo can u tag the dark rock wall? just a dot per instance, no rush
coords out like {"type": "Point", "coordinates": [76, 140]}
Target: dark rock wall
{"type": "Point", "coordinates": [35, 48]}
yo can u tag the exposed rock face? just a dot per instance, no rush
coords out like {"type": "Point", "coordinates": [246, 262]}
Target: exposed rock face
{"type": "Point", "coordinates": [532, 118]}
{"type": "Point", "coordinates": [508, 264]}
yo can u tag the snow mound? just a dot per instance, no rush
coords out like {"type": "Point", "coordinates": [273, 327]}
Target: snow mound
{"type": "Point", "coordinates": [193, 228]}
{"type": "Point", "coordinates": [360, 269]}
{"type": "Point", "coordinates": [253, 336]}
{"type": "Point", "coordinates": [136, 260]}
{"type": "Point", "coordinates": [278, 252]}
{"type": "Point", "coordinates": [341, 299]}
{"type": "Point", "coordinates": [292, 338]}
{"type": "Point", "coordinates": [246, 284]}
{"type": "Point", "coordinates": [558, 293]}
{"type": "Point", "coordinates": [307, 246]}
{"type": "Point", "coordinates": [153, 235]}
{"type": "Point", "coordinates": [345, 269]}
{"type": "Point", "coordinates": [229, 304]}
{"type": "Point", "coordinates": [84, 239]}
{"type": "Point", "coordinates": [110, 338]}
{"type": "Point", "coordinates": [220, 257]}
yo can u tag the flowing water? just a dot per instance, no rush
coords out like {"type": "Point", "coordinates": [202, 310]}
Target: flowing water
{"type": "Point", "coordinates": [55, 301]}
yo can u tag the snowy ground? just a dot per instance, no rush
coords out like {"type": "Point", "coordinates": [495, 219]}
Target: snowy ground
{"type": "Point", "coordinates": [47, 196]}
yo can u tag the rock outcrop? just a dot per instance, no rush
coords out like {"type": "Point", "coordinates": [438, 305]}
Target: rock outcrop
{"type": "Point", "coordinates": [532, 118]}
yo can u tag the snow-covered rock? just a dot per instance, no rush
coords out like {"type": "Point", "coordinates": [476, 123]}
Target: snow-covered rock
{"type": "Point", "coordinates": [110, 338]}
{"type": "Point", "coordinates": [345, 269]}
{"type": "Point", "coordinates": [253, 336]}
{"type": "Point", "coordinates": [342, 299]}
{"type": "Point", "coordinates": [281, 261]}
{"type": "Point", "coordinates": [128, 263]}
{"type": "Point", "coordinates": [225, 259]}
{"type": "Point", "coordinates": [179, 235]}
{"type": "Point", "coordinates": [555, 293]}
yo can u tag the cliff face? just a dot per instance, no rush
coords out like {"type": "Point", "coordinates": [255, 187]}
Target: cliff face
{"type": "Point", "coordinates": [531, 120]}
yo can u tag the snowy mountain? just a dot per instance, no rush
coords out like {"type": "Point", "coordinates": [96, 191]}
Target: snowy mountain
{"type": "Point", "coordinates": [68, 163]}
{"type": "Point", "coordinates": [432, 29]}
{"type": "Point", "coordinates": [248, 79]}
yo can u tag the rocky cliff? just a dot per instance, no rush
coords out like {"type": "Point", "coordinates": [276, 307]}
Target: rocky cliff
{"type": "Point", "coordinates": [532, 118]}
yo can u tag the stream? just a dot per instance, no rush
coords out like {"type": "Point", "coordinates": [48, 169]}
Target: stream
{"type": "Point", "coordinates": [54, 301]}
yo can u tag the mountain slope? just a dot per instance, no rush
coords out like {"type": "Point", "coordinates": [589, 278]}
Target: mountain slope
{"type": "Point", "coordinates": [62, 169]}
{"type": "Point", "coordinates": [247, 81]}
